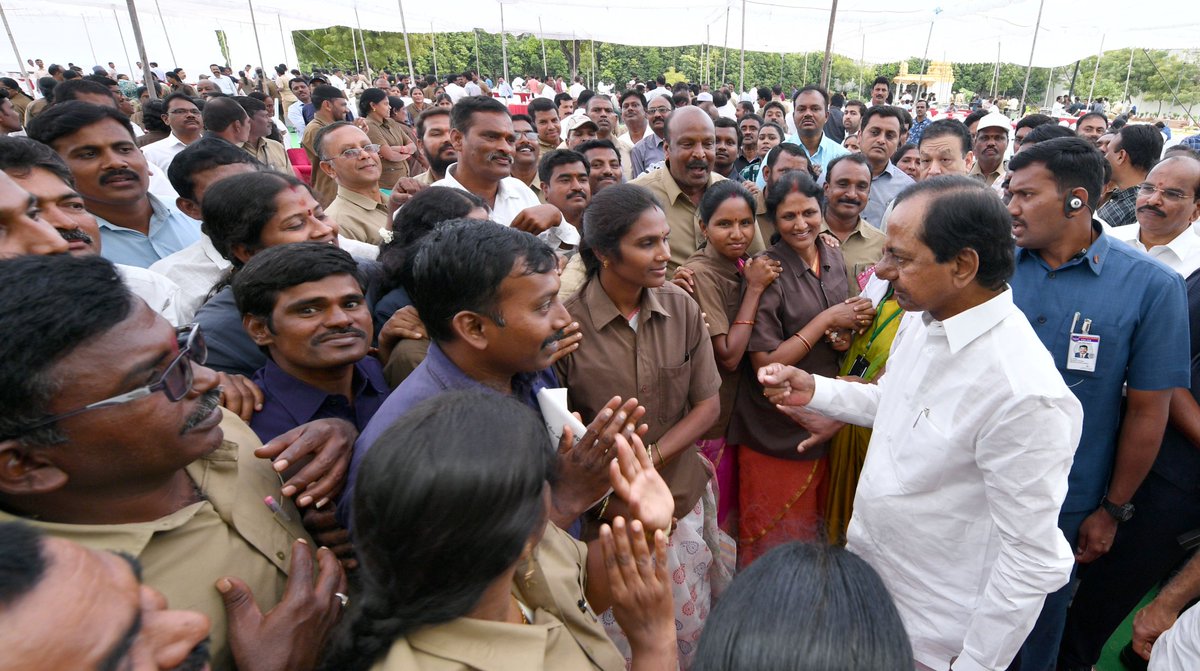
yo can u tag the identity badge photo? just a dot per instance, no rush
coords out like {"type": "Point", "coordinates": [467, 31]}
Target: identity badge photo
{"type": "Point", "coordinates": [1083, 352]}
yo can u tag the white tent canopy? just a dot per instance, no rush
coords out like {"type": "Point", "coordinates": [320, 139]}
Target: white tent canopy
{"type": "Point", "coordinates": [875, 30]}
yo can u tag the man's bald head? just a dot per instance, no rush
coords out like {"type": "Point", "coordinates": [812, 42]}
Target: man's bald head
{"type": "Point", "coordinates": [688, 115]}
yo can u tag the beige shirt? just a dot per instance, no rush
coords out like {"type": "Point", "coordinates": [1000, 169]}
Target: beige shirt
{"type": "Point", "coordinates": [322, 184]}
{"type": "Point", "coordinates": [683, 216]}
{"type": "Point", "coordinates": [562, 637]}
{"type": "Point", "coordinates": [229, 533]}
{"type": "Point", "coordinates": [861, 250]}
{"type": "Point", "coordinates": [719, 292]}
{"type": "Point", "coordinates": [990, 178]}
{"type": "Point", "coordinates": [357, 216]}
{"type": "Point", "coordinates": [426, 178]}
{"type": "Point", "coordinates": [392, 134]}
{"type": "Point", "coordinates": [270, 153]}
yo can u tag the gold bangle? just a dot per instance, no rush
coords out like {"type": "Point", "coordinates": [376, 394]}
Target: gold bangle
{"type": "Point", "coordinates": [666, 532]}
{"type": "Point", "coordinates": [657, 451]}
{"type": "Point", "coordinates": [804, 340]}
{"type": "Point", "coordinates": [747, 322]}
{"type": "Point", "coordinates": [604, 507]}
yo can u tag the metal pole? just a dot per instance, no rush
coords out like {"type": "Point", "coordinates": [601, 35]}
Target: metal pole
{"type": "Point", "coordinates": [593, 64]}
{"type": "Point", "coordinates": [362, 39]}
{"type": "Point", "coordinates": [725, 48]}
{"type": "Point", "coordinates": [1049, 87]}
{"type": "Point", "coordinates": [1174, 89]}
{"type": "Point", "coordinates": [707, 55]}
{"type": "Point", "coordinates": [742, 76]}
{"type": "Point", "coordinates": [1096, 70]}
{"type": "Point", "coordinates": [120, 31]}
{"type": "Point", "coordinates": [996, 73]}
{"type": "Point", "coordinates": [1074, 75]}
{"type": "Point", "coordinates": [282, 40]}
{"type": "Point", "coordinates": [805, 77]}
{"type": "Point", "coordinates": [862, 54]}
{"type": "Point", "coordinates": [503, 43]}
{"type": "Point", "coordinates": [88, 32]}
{"type": "Point", "coordinates": [412, 75]}
{"type": "Point", "coordinates": [354, 48]}
{"type": "Point", "coordinates": [1036, 27]}
{"type": "Point", "coordinates": [167, 33]}
{"type": "Point", "coordinates": [478, 67]}
{"type": "Point", "coordinates": [925, 59]}
{"type": "Point", "coordinates": [17, 53]}
{"type": "Point", "coordinates": [262, 63]}
{"type": "Point", "coordinates": [1128, 72]}
{"type": "Point", "coordinates": [545, 63]}
{"type": "Point", "coordinates": [151, 86]}
{"type": "Point", "coordinates": [828, 46]}
{"type": "Point", "coordinates": [433, 37]}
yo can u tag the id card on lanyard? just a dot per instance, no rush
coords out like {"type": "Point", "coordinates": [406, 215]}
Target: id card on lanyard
{"type": "Point", "coordinates": [1083, 348]}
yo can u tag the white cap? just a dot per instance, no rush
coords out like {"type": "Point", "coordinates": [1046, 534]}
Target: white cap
{"type": "Point", "coordinates": [994, 120]}
{"type": "Point", "coordinates": [575, 120]}
{"type": "Point", "coordinates": [705, 97]}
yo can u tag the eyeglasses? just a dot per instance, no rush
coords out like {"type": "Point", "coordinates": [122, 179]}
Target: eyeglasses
{"type": "Point", "coordinates": [355, 152]}
{"type": "Point", "coordinates": [1174, 195]}
{"type": "Point", "coordinates": [176, 380]}
{"type": "Point", "coordinates": [658, 110]}
{"type": "Point", "coordinates": [528, 134]}
{"type": "Point", "coordinates": [181, 111]}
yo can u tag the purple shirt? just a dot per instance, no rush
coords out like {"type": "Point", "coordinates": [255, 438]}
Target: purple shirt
{"type": "Point", "coordinates": [436, 374]}
{"type": "Point", "coordinates": [288, 402]}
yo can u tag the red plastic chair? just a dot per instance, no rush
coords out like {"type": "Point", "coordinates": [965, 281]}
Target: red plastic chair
{"type": "Point", "coordinates": [300, 164]}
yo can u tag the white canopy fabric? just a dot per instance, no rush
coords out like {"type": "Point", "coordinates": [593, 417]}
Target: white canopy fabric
{"type": "Point", "coordinates": [874, 30]}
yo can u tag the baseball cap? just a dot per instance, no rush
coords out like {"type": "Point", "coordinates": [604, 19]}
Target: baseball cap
{"type": "Point", "coordinates": [994, 120]}
{"type": "Point", "coordinates": [575, 120]}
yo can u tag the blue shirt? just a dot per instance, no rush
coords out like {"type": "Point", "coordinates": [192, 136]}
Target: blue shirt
{"type": "Point", "coordinates": [884, 188]}
{"type": "Point", "coordinates": [828, 150]}
{"type": "Point", "coordinates": [917, 130]}
{"type": "Point", "coordinates": [170, 231]}
{"type": "Point", "coordinates": [1138, 308]}
{"type": "Point", "coordinates": [288, 402]}
{"type": "Point", "coordinates": [436, 374]}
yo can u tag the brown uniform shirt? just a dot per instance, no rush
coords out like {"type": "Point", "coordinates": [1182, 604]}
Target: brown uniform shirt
{"type": "Point", "coordinates": [719, 293]}
{"type": "Point", "coordinates": [229, 533]}
{"type": "Point", "coordinates": [787, 306]}
{"type": "Point", "coordinates": [683, 216]}
{"type": "Point", "coordinates": [358, 217]}
{"type": "Point", "coordinates": [426, 178]}
{"type": "Point", "coordinates": [391, 134]}
{"type": "Point", "coordinates": [323, 185]}
{"type": "Point", "coordinates": [270, 153]}
{"type": "Point", "coordinates": [563, 635]}
{"type": "Point", "coordinates": [861, 250]}
{"type": "Point", "coordinates": [667, 364]}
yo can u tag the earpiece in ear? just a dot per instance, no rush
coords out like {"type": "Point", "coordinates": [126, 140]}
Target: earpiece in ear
{"type": "Point", "coordinates": [1075, 203]}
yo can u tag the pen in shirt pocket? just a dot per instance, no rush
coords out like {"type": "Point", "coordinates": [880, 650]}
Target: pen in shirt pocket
{"type": "Point", "coordinates": [924, 413]}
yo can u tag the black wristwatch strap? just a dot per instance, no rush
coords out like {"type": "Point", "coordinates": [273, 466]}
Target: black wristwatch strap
{"type": "Point", "coordinates": [1119, 513]}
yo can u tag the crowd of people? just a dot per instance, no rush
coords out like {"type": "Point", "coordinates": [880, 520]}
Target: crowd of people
{"type": "Point", "coordinates": [652, 379]}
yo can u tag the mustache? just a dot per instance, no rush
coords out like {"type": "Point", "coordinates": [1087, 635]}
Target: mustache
{"type": "Point", "coordinates": [208, 403]}
{"type": "Point", "coordinates": [581, 194]}
{"type": "Point", "coordinates": [197, 658]}
{"type": "Point", "coordinates": [1151, 208]}
{"type": "Point", "coordinates": [849, 201]}
{"type": "Point", "coordinates": [329, 335]}
{"type": "Point", "coordinates": [120, 172]}
{"type": "Point", "coordinates": [499, 154]}
{"type": "Point", "coordinates": [555, 337]}
{"type": "Point", "coordinates": [73, 234]}
{"type": "Point", "coordinates": [697, 165]}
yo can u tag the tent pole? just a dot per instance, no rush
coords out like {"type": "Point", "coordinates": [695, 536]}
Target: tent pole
{"type": "Point", "coordinates": [141, 47]}
{"type": "Point", "coordinates": [362, 40]}
{"type": "Point", "coordinates": [545, 63]}
{"type": "Point", "coordinates": [433, 38]}
{"type": "Point", "coordinates": [503, 43]}
{"type": "Point", "coordinates": [742, 76]}
{"type": "Point", "coordinates": [354, 48]}
{"type": "Point", "coordinates": [862, 55]}
{"type": "Point", "coordinates": [88, 32]}
{"type": "Point", "coordinates": [705, 53]}
{"type": "Point", "coordinates": [121, 32]}
{"type": "Point", "coordinates": [412, 75]}
{"type": "Point", "coordinates": [167, 33]}
{"type": "Point", "coordinates": [1174, 89]}
{"type": "Point", "coordinates": [725, 47]}
{"type": "Point", "coordinates": [262, 63]}
{"type": "Point", "coordinates": [828, 46]}
{"type": "Point", "coordinates": [17, 53]}
{"type": "Point", "coordinates": [282, 40]}
{"type": "Point", "coordinates": [478, 67]}
{"type": "Point", "coordinates": [1049, 87]}
{"type": "Point", "coordinates": [593, 64]}
{"type": "Point", "coordinates": [1071, 91]}
{"type": "Point", "coordinates": [1036, 27]}
{"type": "Point", "coordinates": [996, 72]}
{"type": "Point", "coordinates": [1128, 72]}
{"type": "Point", "coordinates": [1096, 70]}
{"type": "Point", "coordinates": [805, 77]}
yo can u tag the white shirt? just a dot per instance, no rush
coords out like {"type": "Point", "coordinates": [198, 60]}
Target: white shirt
{"type": "Point", "coordinates": [295, 116]}
{"type": "Point", "coordinates": [513, 196]}
{"type": "Point", "coordinates": [1182, 254]}
{"type": "Point", "coordinates": [162, 152]}
{"type": "Point", "coordinates": [226, 84]}
{"type": "Point", "coordinates": [472, 89]}
{"type": "Point", "coordinates": [160, 185]}
{"type": "Point", "coordinates": [957, 506]}
{"type": "Point", "coordinates": [160, 293]}
{"type": "Point", "coordinates": [455, 91]}
{"type": "Point", "coordinates": [575, 89]}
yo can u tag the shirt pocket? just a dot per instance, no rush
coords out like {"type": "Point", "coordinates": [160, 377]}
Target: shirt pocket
{"type": "Point", "coordinates": [673, 384]}
{"type": "Point", "coordinates": [921, 463]}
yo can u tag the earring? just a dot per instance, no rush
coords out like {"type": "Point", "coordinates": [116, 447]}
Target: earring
{"type": "Point", "coordinates": [604, 264]}
{"type": "Point", "coordinates": [528, 557]}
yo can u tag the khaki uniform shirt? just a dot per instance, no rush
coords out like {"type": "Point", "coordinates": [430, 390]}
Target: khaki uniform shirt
{"type": "Point", "coordinates": [229, 533]}
{"type": "Point", "coordinates": [562, 636]}
{"type": "Point", "coordinates": [861, 250]}
{"type": "Point", "coordinates": [990, 178]}
{"type": "Point", "coordinates": [35, 108]}
{"type": "Point", "coordinates": [20, 102]}
{"type": "Point", "coordinates": [794, 299]}
{"type": "Point", "coordinates": [357, 216]}
{"type": "Point", "coordinates": [322, 184]}
{"type": "Point", "coordinates": [719, 292]}
{"type": "Point", "coordinates": [391, 134]}
{"type": "Point", "coordinates": [544, 148]}
{"type": "Point", "coordinates": [282, 82]}
{"type": "Point", "coordinates": [667, 364]}
{"type": "Point", "coordinates": [536, 187]}
{"type": "Point", "coordinates": [571, 278]}
{"type": "Point", "coordinates": [683, 216]}
{"type": "Point", "coordinates": [426, 178]}
{"type": "Point", "coordinates": [270, 153]}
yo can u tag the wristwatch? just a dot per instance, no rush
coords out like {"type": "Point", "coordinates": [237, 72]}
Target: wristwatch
{"type": "Point", "coordinates": [1120, 513]}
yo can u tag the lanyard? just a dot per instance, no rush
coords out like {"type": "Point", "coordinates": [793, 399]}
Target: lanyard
{"type": "Point", "coordinates": [879, 329]}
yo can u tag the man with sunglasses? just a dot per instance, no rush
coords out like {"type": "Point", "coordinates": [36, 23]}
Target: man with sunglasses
{"type": "Point", "coordinates": [111, 436]}
{"type": "Point", "coordinates": [350, 159]}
